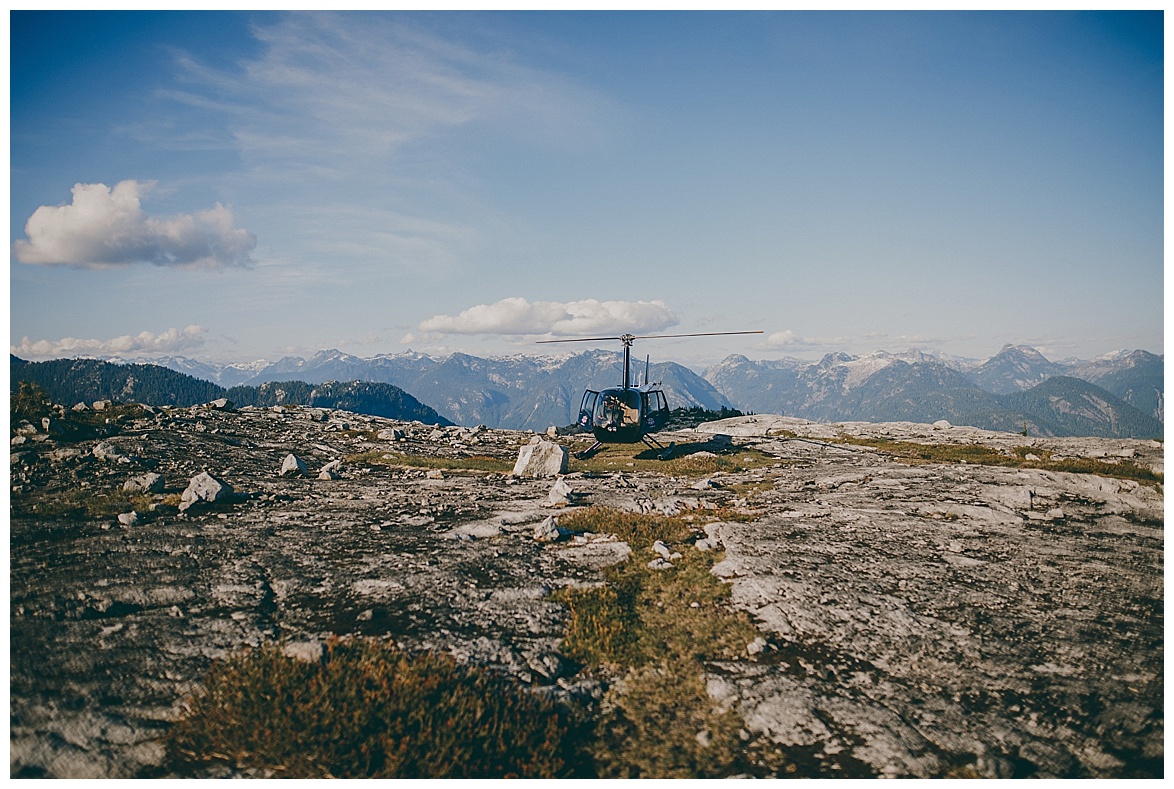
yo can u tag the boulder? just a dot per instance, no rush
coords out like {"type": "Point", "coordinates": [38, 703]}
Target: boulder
{"type": "Point", "coordinates": [331, 470]}
{"type": "Point", "coordinates": [392, 434]}
{"type": "Point", "coordinates": [541, 459]}
{"type": "Point", "coordinates": [145, 483]}
{"type": "Point", "coordinates": [129, 518]}
{"type": "Point", "coordinates": [204, 489]}
{"type": "Point", "coordinates": [101, 405]}
{"type": "Point", "coordinates": [221, 404]}
{"type": "Point", "coordinates": [293, 466]}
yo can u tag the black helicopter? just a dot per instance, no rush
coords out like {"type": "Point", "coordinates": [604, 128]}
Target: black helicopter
{"type": "Point", "coordinates": [627, 414]}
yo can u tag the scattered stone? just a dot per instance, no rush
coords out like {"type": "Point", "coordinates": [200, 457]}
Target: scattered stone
{"type": "Point", "coordinates": [550, 531]}
{"type": "Point", "coordinates": [541, 459]}
{"type": "Point", "coordinates": [660, 563]}
{"type": "Point", "coordinates": [560, 494]}
{"type": "Point", "coordinates": [129, 518]}
{"type": "Point", "coordinates": [101, 405]}
{"type": "Point", "coordinates": [434, 473]}
{"type": "Point", "coordinates": [204, 489]}
{"type": "Point", "coordinates": [81, 407]}
{"type": "Point", "coordinates": [145, 483]}
{"type": "Point", "coordinates": [331, 470]}
{"type": "Point", "coordinates": [305, 651]}
{"type": "Point", "coordinates": [293, 466]}
{"type": "Point", "coordinates": [105, 451]}
{"type": "Point", "coordinates": [756, 646]}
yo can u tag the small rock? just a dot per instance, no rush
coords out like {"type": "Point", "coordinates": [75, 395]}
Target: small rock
{"type": "Point", "coordinates": [542, 459]}
{"type": "Point", "coordinates": [941, 424]}
{"type": "Point", "coordinates": [392, 434]}
{"type": "Point", "coordinates": [552, 431]}
{"type": "Point", "coordinates": [204, 489]}
{"type": "Point", "coordinates": [756, 646]}
{"type": "Point", "coordinates": [101, 405]}
{"type": "Point", "coordinates": [145, 483]}
{"type": "Point", "coordinates": [305, 651]}
{"type": "Point", "coordinates": [293, 466]}
{"type": "Point", "coordinates": [704, 738]}
{"type": "Point", "coordinates": [221, 404]}
{"type": "Point", "coordinates": [1055, 515]}
{"type": "Point", "coordinates": [660, 564]}
{"type": "Point", "coordinates": [129, 518]}
{"type": "Point", "coordinates": [1031, 457]}
{"type": "Point", "coordinates": [331, 470]}
{"type": "Point", "coordinates": [661, 548]}
{"type": "Point", "coordinates": [104, 451]}
{"type": "Point", "coordinates": [560, 494]}
{"type": "Point", "coordinates": [705, 484]}
{"type": "Point", "coordinates": [550, 531]}
{"type": "Point", "coordinates": [434, 473]}
{"type": "Point", "coordinates": [81, 407]}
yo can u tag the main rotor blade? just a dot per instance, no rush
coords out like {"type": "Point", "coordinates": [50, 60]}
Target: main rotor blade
{"type": "Point", "coordinates": [652, 336]}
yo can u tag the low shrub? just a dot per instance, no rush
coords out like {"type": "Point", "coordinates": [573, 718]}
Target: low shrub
{"type": "Point", "coordinates": [370, 710]}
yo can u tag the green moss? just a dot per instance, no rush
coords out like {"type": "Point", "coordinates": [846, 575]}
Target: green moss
{"type": "Point", "coordinates": [637, 457]}
{"type": "Point", "coordinates": [654, 631]}
{"type": "Point", "coordinates": [475, 463]}
{"type": "Point", "coordinates": [979, 454]}
{"type": "Point", "coordinates": [369, 710]}
{"type": "Point", "coordinates": [83, 503]}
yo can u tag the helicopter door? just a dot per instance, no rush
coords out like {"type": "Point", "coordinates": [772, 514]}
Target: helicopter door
{"type": "Point", "coordinates": [587, 408]}
{"type": "Point", "coordinates": [656, 410]}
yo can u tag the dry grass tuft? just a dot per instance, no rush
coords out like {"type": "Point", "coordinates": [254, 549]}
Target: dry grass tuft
{"type": "Point", "coordinates": [369, 710]}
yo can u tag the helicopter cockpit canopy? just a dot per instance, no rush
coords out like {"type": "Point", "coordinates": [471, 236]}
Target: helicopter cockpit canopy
{"type": "Point", "coordinates": [617, 408]}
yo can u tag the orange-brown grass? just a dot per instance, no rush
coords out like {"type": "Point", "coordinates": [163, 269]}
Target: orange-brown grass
{"type": "Point", "coordinates": [369, 710]}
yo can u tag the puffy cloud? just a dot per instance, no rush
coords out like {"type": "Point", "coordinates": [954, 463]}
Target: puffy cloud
{"type": "Point", "coordinates": [516, 315]}
{"type": "Point", "coordinates": [105, 227]}
{"type": "Point", "coordinates": [789, 340]}
{"type": "Point", "coordinates": [170, 341]}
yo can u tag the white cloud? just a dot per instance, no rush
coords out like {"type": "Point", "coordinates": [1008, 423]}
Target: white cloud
{"type": "Point", "coordinates": [169, 341]}
{"type": "Point", "coordinates": [515, 316]}
{"type": "Point", "coordinates": [788, 340]}
{"type": "Point", "coordinates": [104, 228]}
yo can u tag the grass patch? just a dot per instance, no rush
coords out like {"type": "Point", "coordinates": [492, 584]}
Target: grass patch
{"type": "Point", "coordinates": [655, 630]}
{"type": "Point", "coordinates": [369, 710]}
{"type": "Point", "coordinates": [474, 463]}
{"type": "Point", "coordinates": [86, 503]}
{"type": "Point", "coordinates": [637, 457]}
{"type": "Point", "coordinates": [979, 454]}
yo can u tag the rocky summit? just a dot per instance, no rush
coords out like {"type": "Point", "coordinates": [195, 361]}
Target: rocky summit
{"type": "Point", "coordinates": [929, 600]}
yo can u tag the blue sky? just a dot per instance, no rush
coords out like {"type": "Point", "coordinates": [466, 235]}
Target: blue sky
{"type": "Point", "coordinates": [234, 186]}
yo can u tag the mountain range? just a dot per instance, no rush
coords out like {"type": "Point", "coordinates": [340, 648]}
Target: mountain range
{"type": "Point", "coordinates": [1116, 395]}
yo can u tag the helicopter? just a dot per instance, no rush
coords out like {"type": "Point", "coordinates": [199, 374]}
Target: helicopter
{"type": "Point", "coordinates": [626, 414]}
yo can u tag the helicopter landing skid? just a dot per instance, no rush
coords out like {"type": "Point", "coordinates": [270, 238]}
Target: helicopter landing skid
{"type": "Point", "coordinates": [665, 452]}
{"type": "Point", "coordinates": [589, 451]}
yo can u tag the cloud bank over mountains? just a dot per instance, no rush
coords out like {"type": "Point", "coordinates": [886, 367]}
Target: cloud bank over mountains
{"type": "Point", "coordinates": [517, 316]}
{"type": "Point", "coordinates": [169, 341]}
{"type": "Point", "coordinates": [107, 228]}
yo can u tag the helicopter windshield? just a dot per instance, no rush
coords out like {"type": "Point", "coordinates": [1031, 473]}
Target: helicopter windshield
{"type": "Point", "coordinates": [618, 408]}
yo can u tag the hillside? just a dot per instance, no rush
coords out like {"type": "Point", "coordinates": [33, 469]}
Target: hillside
{"type": "Point", "coordinates": [780, 599]}
{"type": "Point", "coordinates": [88, 380]}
